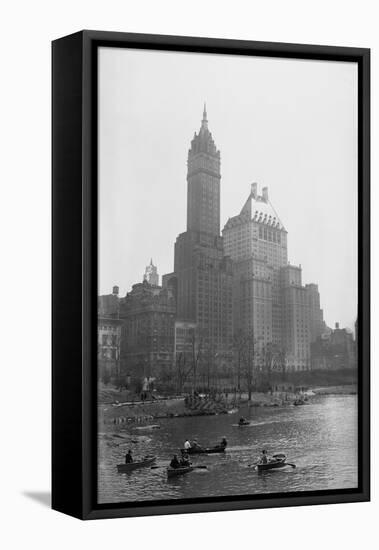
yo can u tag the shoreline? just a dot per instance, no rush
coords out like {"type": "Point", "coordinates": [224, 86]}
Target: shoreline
{"type": "Point", "coordinates": [344, 389]}
{"type": "Point", "coordinates": [144, 412]}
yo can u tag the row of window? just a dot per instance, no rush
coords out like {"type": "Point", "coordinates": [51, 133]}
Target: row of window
{"type": "Point", "coordinates": [109, 340]}
{"type": "Point", "coordinates": [269, 235]}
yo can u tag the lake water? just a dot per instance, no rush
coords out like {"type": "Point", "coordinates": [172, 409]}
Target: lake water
{"type": "Point", "coordinates": [320, 438]}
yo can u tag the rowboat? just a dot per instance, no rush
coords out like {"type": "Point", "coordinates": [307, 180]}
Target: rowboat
{"type": "Point", "coordinates": [173, 472]}
{"type": "Point", "coordinates": [200, 450]}
{"type": "Point", "coordinates": [278, 461]}
{"type": "Point", "coordinates": [241, 425]}
{"type": "Point", "coordinates": [150, 427]}
{"type": "Point", "coordinates": [125, 468]}
{"type": "Point", "coordinates": [299, 402]}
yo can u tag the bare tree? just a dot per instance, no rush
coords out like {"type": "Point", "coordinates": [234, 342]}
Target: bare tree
{"type": "Point", "coordinates": [181, 371]}
{"type": "Point", "coordinates": [187, 361]}
{"type": "Point", "coordinates": [250, 363]}
{"type": "Point", "coordinates": [196, 340]}
{"type": "Point", "coordinates": [239, 345]}
{"type": "Point", "coordinates": [278, 360]}
{"type": "Point", "coordinates": [245, 347]}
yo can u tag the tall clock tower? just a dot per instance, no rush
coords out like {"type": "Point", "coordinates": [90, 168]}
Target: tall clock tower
{"type": "Point", "coordinates": [202, 273]}
{"type": "Point", "coordinates": [203, 179]}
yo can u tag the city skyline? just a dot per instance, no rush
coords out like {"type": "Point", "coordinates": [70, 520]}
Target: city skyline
{"type": "Point", "coordinates": [123, 222]}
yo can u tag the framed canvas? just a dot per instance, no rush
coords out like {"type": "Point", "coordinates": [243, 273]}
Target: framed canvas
{"type": "Point", "coordinates": [211, 281]}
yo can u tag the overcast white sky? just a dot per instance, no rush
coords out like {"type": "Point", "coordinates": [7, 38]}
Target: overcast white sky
{"type": "Point", "coordinates": [290, 125]}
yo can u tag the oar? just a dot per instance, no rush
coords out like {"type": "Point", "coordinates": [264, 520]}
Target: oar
{"type": "Point", "coordinates": [201, 467]}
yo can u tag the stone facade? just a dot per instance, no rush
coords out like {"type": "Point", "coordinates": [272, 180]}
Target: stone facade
{"type": "Point", "coordinates": [108, 335]}
{"type": "Point", "coordinates": [335, 350]}
{"type": "Point", "coordinates": [148, 319]}
{"type": "Point", "coordinates": [317, 323]}
{"type": "Point", "coordinates": [296, 323]}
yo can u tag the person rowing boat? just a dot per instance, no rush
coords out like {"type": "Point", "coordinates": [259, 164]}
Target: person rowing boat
{"type": "Point", "coordinates": [175, 462]}
{"type": "Point", "coordinates": [270, 463]}
{"type": "Point", "coordinates": [128, 457]}
{"type": "Point", "coordinates": [274, 459]}
{"type": "Point", "coordinates": [223, 444]}
{"type": "Point", "coordinates": [185, 461]}
{"type": "Point", "coordinates": [264, 458]}
{"type": "Point", "coordinates": [243, 421]}
{"type": "Point", "coordinates": [195, 445]}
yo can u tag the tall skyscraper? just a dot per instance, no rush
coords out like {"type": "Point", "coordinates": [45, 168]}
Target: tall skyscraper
{"type": "Point", "coordinates": [202, 274]}
{"type": "Point", "coordinates": [296, 319]}
{"type": "Point", "coordinates": [316, 314]}
{"type": "Point", "coordinates": [256, 240]}
{"type": "Point", "coordinates": [203, 178]}
{"type": "Point", "coordinates": [269, 301]}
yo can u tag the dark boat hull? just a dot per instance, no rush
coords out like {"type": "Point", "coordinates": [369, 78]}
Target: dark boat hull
{"type": "Point", "coordinates": [126, 468]}
{"type": "Point", "coordinates": [213, 450]}
{"type": "Point", "coordinates": [174, 472]}
{"type": "Point", "coordinates": [271, 465]}
{"type": "Point", "coordinates": [242, 425]}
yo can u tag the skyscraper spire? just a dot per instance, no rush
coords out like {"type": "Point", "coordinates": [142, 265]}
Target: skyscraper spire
{"type": "Point", "coordinates": [204, 122]}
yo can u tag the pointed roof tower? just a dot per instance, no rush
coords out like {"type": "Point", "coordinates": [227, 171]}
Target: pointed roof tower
{"type": "Point", "coordinates": [151, 274]}
{"type": "Point", "coordinates": [204, 122]}
{"type": "Point", "coordinates": [203, 141]}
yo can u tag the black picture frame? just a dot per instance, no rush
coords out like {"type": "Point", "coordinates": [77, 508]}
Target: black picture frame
{"type": "Point", "coordinates": [74, 272]}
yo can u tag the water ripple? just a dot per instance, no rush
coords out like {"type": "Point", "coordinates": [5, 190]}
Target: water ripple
{"type": "Point", "coordinates": [320, 438]}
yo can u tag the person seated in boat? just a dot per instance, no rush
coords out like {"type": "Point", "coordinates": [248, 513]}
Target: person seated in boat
{"type": "Point", "coordinates": [175, 462]}
{"type": "Point", "coordinates": [195, 445]}
{"type": "Point", "coordinates": [264, 457]}
{"type": "Point", "coordinates": [128, 457]}
{"type": "Point", "coordinates": [187, 444]}
{"type": "Point", "coordinates": [242, 421]}
{"type": "Point", "coordinates": [185, 461]}
{"type": "Point", "coordinates": [223, 443]}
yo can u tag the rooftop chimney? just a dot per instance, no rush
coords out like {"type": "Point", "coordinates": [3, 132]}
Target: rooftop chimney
{"type": "Point", "coordinates": [265, 194]}
{"type": "Point", "coordinates": [115, 290]}
{"type": "Point", "coordinates": [254, 187]}
{"type": "Point", "coordinates": [337, 326]}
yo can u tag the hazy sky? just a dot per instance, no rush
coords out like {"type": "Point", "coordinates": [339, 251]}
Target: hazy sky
{"type": "Point", "coordinates": [290, 125]}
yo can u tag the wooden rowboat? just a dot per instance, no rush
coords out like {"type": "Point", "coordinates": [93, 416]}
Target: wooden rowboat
{"type": "Point", "coordinates": [278, 461]}
{"type": "Point", "coordinates": [125, 468]}
{"type": "Point", "coordinates": [173, 472]}
{"type": "Point", "coordinates": [241, 425]}
{"type": "Point", "coordinates": [200, 450]}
